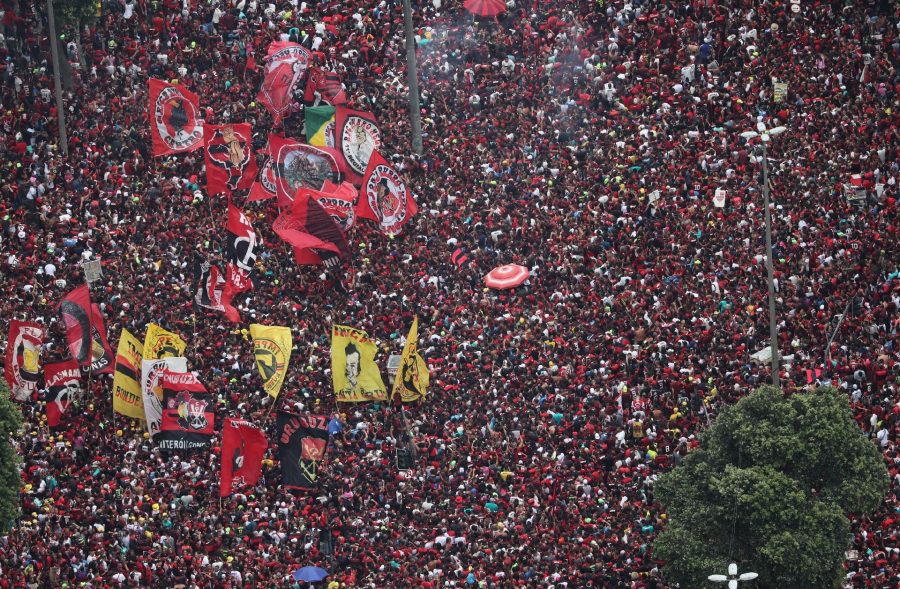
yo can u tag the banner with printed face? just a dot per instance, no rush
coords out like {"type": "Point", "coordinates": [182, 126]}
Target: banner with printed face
{"type": "Point", "coordinates": [302, 441]}
{"type": "Point", "coordinates": [272, 349]}
{"type": "Point", "coordinates": [23, 358]}
{"type": "Point", "coordinates": [230, 161]}
{"type": "Point", "coordinates": [357, 137]}
{"type": "Point", "coordinates": [353, 369]}
{"type": "Point", "coordinates": [411, 382]}
{"type": "Point", "coordinates": [297, 165]}
{"type": "Point", "coordinates": [160, 343]}
{"type": "Point", "coordinates": [62, 381]}
{"type": "Point", "coordinates": [188, 419]}
{"type": "Point", "coordinates": [174, 112]}
{"type": "Point", "coordinates": [384, 197]}
{"type": "Point", "coordinates": [151, 387]}
{"type": "Point", "coordinates": [127, 399]}
{"type": "Point", "coordinates": [243, 448]}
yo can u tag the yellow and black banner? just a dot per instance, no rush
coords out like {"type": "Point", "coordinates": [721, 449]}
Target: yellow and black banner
{"type": "Point", "coordinates": [353, 369]}
{"type": "Point", "coordinates": [160, 343]}
{"type": "Point", "coordinates": [127, 399]}
{"type": "Point", "coordinates": [411, 382]}
{"type": "Point", "coordinates": [272, 349]}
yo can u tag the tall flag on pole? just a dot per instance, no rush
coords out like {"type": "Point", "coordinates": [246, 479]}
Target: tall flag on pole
{"type": "Point", "coordinates": [302, 441]}
{"type": "Point", "coordinates": [326, 84]}
{"type": "Point", "coordinates": [174, 114]}
{"type": "Point", "coordinates": [357, 137]}
{"type": "Point", "coordinates": [285, 64]}
{"type": "Point", "coordinates": [411, 382]}
{"type": "Point", "coordinates": [62, 382]}
{"type": "Point", "coordinates": [319, 125]}
{"type": "Point", "coordinates": [241, 255]}
{"type": "Point", "coordinates": [85, 331]}
{"type": "Point", "coordinates": [23, 358]}
{"type": "Point", "coordinates": [230, 162]}
{"type": "Point", "coordinates": [127, 399]}
{"type": "Point", "coordinates": [354, 372]}
{"type": "Point", "coordinates": [151, 387]}
{"type": "Point", "coordinates": [296, 165]}
{"type": "Point", "coordinates": [188, 419]}
{"type": "Point", "coordinates": [208, 284]}
{"type": "Point", "coordinates": [384, 197]}
{"type": "Point", "coordinates": [272, 349]}
{"type": "Point", "coordinates": [243, 448]}
{"type": "Point", "coordinates": [160, 343]}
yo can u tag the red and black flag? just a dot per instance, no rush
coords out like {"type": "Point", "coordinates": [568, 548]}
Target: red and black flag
{"type": "Point", "coordinates": [264, 187]}
{"type": "Point", "coordinates": [23, 358]}
{"type": "Point", "coordinates": [339, 202]}
{"type": "Point", "coordinates": [62, 382]}
{"type": "Point", "coordinates": [459, 257]}
{"type": "Point", "coordinates": [188, 417]}
{"type": "Point", "coordinates": [230, 163]}
{"type": "Point", "coordinates": [356, 137]}
{"type": "Point", "coordinates": [243, 448]}
{"type": "Point", "coordinates": [174, 114]}
{"type": "Point", "coordinates": [326, 84]}
{"type": "Point", "coordinates": [285, 64]}
{"type": "Point", "coordinates": [85, 332]}
{"type": "Point", "coordinates": [302, 441]}
{"type": "Point", "coordinates": [241, 247]}
{"type": "Point", "coordinates": [384, 197]}
{"type": "Point", "coordinates": [296, 165]}
{"type": "Point", "coordinates": [236, 282]}
{"type": "Point", "coordinates": [208, 285]}
{"type": "Point", "coordinates": [311, 231]}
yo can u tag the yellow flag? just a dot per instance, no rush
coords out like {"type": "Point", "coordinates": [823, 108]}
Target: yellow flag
{"type": "Point", "coordinates": [160, 343]}
{"type": "Point", "coordinates": [411, 382]}
{"type": "Point", "coordinates": [353, 369]}
{"type": "Point", "coordinates": [272, 349]}
{"type": "Point", "coordinates": [127, 398]}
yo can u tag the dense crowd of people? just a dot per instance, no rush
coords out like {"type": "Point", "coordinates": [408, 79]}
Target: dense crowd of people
{"type": "Point", "coordinates": [584, 140]}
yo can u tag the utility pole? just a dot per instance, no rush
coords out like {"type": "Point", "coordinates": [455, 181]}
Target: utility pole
{"type": "Point", "coordinates": [60, 107]}
{"type": "Point", "coordinates": [770, 267]}
{"type": "Point", "coordinates": [415, 116]}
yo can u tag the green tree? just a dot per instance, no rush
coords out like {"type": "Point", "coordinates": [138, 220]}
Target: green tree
{"type": "Point", "coordinates": [770, 487]}
{"type": "Point", "coordinates": [10, 477]}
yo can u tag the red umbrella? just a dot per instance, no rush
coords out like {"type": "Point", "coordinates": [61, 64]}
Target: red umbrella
{"type": "Point", "coordinates": [485, 7]}
{"type": "Point", "coordinates": [508, 276]}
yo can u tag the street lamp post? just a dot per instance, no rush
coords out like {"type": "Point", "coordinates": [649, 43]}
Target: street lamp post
{"type": "Point", "coordinates": [732, 578]}
{"type": "Point", "coordinates": [415, 117]}
{"type": "Point", "coordinates": [765, 134]}
{"type": "Point", "coordinates": [54, 56]}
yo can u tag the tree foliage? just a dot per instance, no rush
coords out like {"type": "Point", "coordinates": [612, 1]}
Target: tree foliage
{"type": "Point", "coordinates": [770, 487]}
{"type": "Point", "coordinates": [10, 477]}
{"type": "Point", "coordinates": [75, 13]}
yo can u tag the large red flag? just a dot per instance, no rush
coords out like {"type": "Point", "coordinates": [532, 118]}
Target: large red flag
{"type": "Point", "coordinates": [264, 186]}
{"type": "Point", "coordinates": [243, 448]}
{"type": "Point", "coordinates": [85, 332]}
{"type": "Point", "coordinates": [357, 137]}
{"type": "Point", "coordinates": [285, 64]}
{"type": "Point", "coordinates": [296, 165]}
{"type": "Point", "coordinates": [339, 202]}
{"type": "Point", "coordinates": [23, 354]}
{"type": "Point", "coordinates": [62, 382]}
{"type": "Point", "coordinates": [385, 197]}
{"type": "Point", "coordinates": [174, 114]}
{"type": "Point", "coordinates": [230, 163]}
{"type": "Point", "coordinates": [326, 84]}
{"type": "Point", "coordinates": [311, 231]}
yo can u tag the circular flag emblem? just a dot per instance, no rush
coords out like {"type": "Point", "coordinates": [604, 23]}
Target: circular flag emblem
{"type": "Point", "coordinates": [387, 196]}
{"type": "Point", "coordinates": [176, 119]}
{"type": "Point", "coordinates": [359, 138]}
{"type": "Point", "coordinates": [267, 176]}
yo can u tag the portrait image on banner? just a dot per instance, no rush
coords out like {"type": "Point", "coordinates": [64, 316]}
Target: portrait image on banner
{"type": "Point", "coordinates": [188, 417]}
{"type": "Point", "coordinates": [357, 137]}
{"type": "Point", "coordinates": [23, 358]}
{"type": "Point", "coordinates": [63, 382]}
{"type": "Point", "coordinates": [302, 442]}
{"type": "Point", "coordinates": [230, 160]}
{"type": "Point", "coordinates": [161, 343]}
{"type": "Point", "coordinates": [411, 382]}
{"type": "Point", "coordinates": [174, 113]}
{"type": "Point", "coordinates": [272, 350]}
{"type": "Point", "coordinates": [297, 165]}
{"type": "Point", "coordinates": [127, 398]}
{"type": "Point", "coordinates": [151, 387]}
{"type": "Point", "coordinates": [353, 369]}
{"type": "Point", "coordinates": [243, 448]}
{"type": "Point", "coordinates": [385, 197]}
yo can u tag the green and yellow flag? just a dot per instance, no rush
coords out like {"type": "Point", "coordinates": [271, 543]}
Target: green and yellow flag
{"type": "Point", "coordinates": [353, 369]}
{"type": "Point", "coordinates": [127, 399]}
{"type": "Point", "coordinates": [160, 343]}
{"type": "Point", "coordinates": [272, 349]}
{"type": "Point", "coordinates": [320, 125]}
{"type": "Point", "coordinates": [411, 382]}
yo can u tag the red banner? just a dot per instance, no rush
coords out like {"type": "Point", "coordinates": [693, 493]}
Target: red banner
{"type": "Point", "coordinates": [297, 165]}
{"type": "Point", "coordinates": [85, 332]}
{"type": "Point", "coordinates": [314, 235]}
{"type": "Point", "coordinates": [188, 417]}
{"type": "Point", "coordinates": [356, 137]}
{"type": "Point", "coordinates": [284, 66]}
{"type": "Point", "coordinates": [62, 382]}
{"type": "Point", "coordinates": [230, 163]}
{"type": "Point", "coordinates": [339, 202]}
{"type": "Point", "coordinates": [326, 84]}
{"type": "Point", "coordinates": [243, 448]}
{"type": "Point", "coordinates": [385, 197]}
{"type": "Point", "coordinates": [174, 114]}
{"type": "Point", "coordinates": [23, 355]}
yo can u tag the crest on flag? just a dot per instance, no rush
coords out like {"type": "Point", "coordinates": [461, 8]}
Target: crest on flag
{"type": "Point", "coordinates": [23, 354]}
{"type": "Point", "coordinates": [386, 198]}
{"type": "Point", "coordinates": [359, 138]}
{"type": "Point", "coordinates": [174, 118]}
